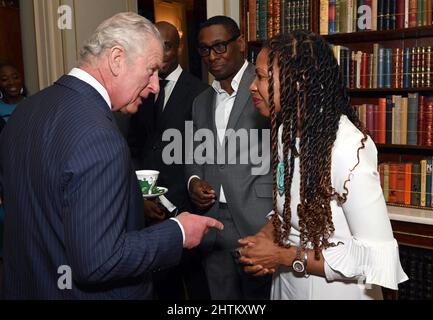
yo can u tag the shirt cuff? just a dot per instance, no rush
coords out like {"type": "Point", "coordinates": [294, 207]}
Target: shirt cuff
{"type": "Point", "coordinates": [189, 181]}
{"type": "Point", "coordinates": [181, 229]}
{"type": "Point", "coordinates": [168, 205]}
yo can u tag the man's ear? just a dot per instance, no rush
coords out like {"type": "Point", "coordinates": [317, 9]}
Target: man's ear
{"type": "Point", "coordinates": [116, 59]}
{"type": "Point", "coordinates": [241, 43]}
{"type": "Point", "coordinates": [180, 49]}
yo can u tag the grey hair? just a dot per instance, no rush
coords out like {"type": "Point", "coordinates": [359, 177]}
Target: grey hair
{"type": "Point", "coordinates": [127, 29]}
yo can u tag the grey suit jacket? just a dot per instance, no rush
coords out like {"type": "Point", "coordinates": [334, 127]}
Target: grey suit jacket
{"type": "Point", "coordinates": [248, 193]}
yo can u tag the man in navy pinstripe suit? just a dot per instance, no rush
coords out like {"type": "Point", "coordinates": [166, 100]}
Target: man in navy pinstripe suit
{"type": "Point", "coordinates": [73, 206]}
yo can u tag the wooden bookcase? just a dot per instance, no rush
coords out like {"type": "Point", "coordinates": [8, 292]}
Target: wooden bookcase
{"type": "Point", "coordinates": [413, 227]}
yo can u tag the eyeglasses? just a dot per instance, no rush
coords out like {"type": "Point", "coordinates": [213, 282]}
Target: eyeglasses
{"type": "Point", "coordinates": [218, 48]}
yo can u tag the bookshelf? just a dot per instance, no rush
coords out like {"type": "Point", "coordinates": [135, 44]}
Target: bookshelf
{"type": "Point", "coordinates": [412, 224]}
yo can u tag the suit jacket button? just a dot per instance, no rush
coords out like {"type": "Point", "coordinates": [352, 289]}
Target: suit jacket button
{"type": "Point", "coordinates": [155, 148]}
{"type": "Point", "coordinates": [222, 167]}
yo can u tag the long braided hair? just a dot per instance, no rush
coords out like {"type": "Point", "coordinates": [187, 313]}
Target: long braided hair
{"type": "Point", "coordinates": [313, 97]}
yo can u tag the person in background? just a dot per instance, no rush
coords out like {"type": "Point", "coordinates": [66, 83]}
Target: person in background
{"type": "Point", "coordinates": [170, 109]}
{"type": "Point", "coordinates": [11, 93]}
{"type": "Point", "coordinates": [11, 90]}
{"type": "Point", "coordinates": [74, 225]}
{"type": "Point", "coordinates": [329, 236]}
{"type": "Point", "coordinates": [230, 191]}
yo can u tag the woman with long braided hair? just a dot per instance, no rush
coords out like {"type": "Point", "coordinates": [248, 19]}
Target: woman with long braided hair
{"type": "Point", "coordinates": [331, 237]}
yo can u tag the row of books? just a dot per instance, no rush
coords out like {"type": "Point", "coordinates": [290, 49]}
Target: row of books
{"type": "Point", "coordinates": [407, 183]}
{"type": "Point", "coordinates": [345, 16]}
{"type": "Point", "coordinates": [418, 265]}
{"type": "Point", "coordinates": [267, 18]}
{"type": "Point", "coordinates": [410, 67]}
{"type": "Point", "coordinates": [399, 120]}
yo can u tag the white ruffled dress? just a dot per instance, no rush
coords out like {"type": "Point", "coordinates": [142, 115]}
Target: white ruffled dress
{"type": "Point", "coordinates": [368, 257]}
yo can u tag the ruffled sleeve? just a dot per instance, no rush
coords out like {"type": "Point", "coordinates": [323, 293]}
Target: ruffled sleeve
{"type": "Point", "coordinates": [372, 263]}
{"type": "Point", "coordinates": [372, 252]}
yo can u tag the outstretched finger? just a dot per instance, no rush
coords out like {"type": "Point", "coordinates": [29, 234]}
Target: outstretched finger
{"type": "Point", "coordinates": [213, 223]}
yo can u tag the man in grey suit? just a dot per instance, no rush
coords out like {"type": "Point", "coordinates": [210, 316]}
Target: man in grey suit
{"type": "Point", "coordinates": [237, 192]}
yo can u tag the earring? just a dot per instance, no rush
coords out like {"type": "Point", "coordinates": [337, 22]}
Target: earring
{"type": "Point", "coordinates": [1, 95]}
{"type": "Point", "coordinates": [21, 91]}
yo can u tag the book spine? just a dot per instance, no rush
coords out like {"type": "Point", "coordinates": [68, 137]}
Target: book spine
{"type": "Point", "coordinates": [386, 181]}
{"type": "Point", "coordinates": [392, 15]}
{"type": "Point", "coordinates": [423, 164]}
{"type": "Point", "coordinates": [388, 68]}
{"type": "Point", "coordinates": [428, 183]}
{"type": "Point", "coordinates": [364, 70]}
{"type": "Point", "coordinates": [420, 14]}
{"type": "Point", "coordinates": [349, 12]}
{"type": "Point", "coordinates": [420, 132]}
{"type": "Point", "coordinates": [324, 17]}
{"type": "Point", "coordinates": [399, 13]}
{"type": "Point", "coordinates": [397, 119]}
{"type": "Point", "coordinates": [407, 183]}
{"type": "Point", "coordinates": [407, 67]}
{"type": "Point", "coordinates": [400, 185]}
{"type": "Point", "coordinates": [276, 17]}
{"type": "Point", "coordinates": [428, 122]}
{"type": "Point", "coordinates": [416, 185]}
{"type": "Point", "coordinates": [413, 13]}
{"type": "Point", "coordinates": [371, 121]}
{"type": "Point", "coordinates": [380, 68]}
{"type": "Point", "coordinates": [386, 15]}
{"type": "Point", "coordinates": [331, 17]}
{"type": "Point", "coordinates": [429, 13]}
{"type": "Point", "coordinates": [393, 170]}
{"type": "Point", "coordinates": [428, 66]}
{"type": "Point", "coordinates": [380, 11]}
{"type": "Point", "coordinates": [414, 65]}
{"type": "Point", "coordinates": [422, 58]}
{"type": "Point", "coordinates": [389, 109]}
{"type": "Point", "coordinates": [263, 13]}
{"type": "Point", "coordinates": [252, 26]}
{"type": "Point", "coordinates": [412, 119]}
{"type": "Point", "coordinates": [381, 123]}
{"type": "Point", "coordinates": [403, 132]}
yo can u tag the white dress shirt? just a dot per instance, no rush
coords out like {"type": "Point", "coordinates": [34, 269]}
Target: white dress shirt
{"type": "Point", "coordinates": [172, 80]}
{"type": "Point", "coordinates": [224, 105]}
{"type": "Point", "coordinates": [90, 80]}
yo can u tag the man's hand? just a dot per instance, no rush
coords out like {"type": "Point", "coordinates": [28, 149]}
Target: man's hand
{"type": "Point", "coordinates": [202, 194]}
{"type": "Point", "coordinates": [153, 212]}
{"type": "Point", "coordinates": [196, 227]}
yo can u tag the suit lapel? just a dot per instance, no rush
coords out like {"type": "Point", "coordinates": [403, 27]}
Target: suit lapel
{"type": "Point", "coordinates": [242, 97]}
{"type": "Point", "coordinates": [180, 90]}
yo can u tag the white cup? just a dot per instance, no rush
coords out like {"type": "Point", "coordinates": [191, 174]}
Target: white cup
{"type": "Point", "coordinates": [147, 180]}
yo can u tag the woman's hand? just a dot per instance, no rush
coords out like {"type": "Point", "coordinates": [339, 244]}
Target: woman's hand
{"type": "Point", "coordinates": [259, 254]}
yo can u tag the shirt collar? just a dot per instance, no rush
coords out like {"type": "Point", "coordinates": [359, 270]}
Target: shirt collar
{"type": "Point", "coordinates": [90, 80]}
{"type": "Point", "coordinates": [235, 82]}
{"type": "Point", "coordinates": [174, 76]}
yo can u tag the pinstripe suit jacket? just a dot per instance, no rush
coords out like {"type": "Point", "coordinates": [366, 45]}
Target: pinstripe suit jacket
{"type": "Point", "coordinates": [71, 198]}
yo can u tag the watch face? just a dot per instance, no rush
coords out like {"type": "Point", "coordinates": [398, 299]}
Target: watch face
{"type": "Point", "coordinates": [298, 266]}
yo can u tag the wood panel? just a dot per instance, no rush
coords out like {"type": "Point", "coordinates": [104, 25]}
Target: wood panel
{"type": "Point", "coordinates": [413, 234]}
{"type": "Point", "coordinates": [10, 38]}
